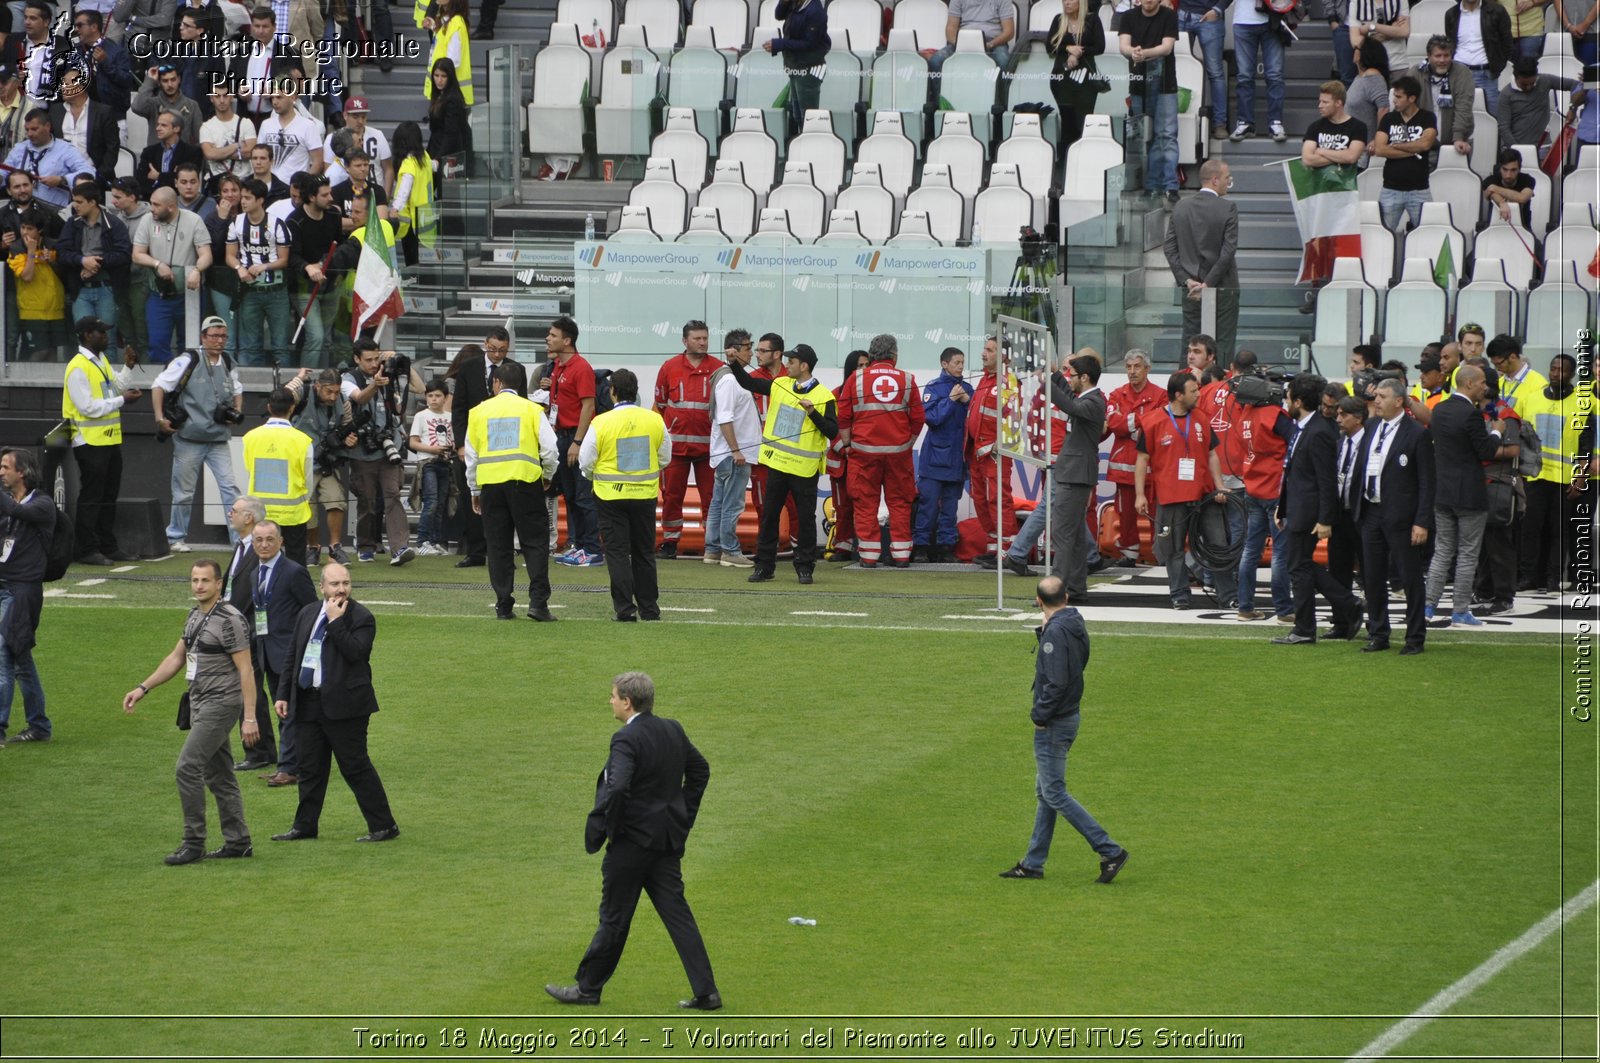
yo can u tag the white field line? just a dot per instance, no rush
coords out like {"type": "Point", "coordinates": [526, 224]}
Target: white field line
{"type": "Point", "coordinates": [57, 593]}
{"type": "Point", "coordinates": [125, 568]}
{"type": "Point", "coordinates": [822, 612]}
{"type": "Point", "coordinates": [366, 601]}
{"type": "Point", "coordinates": [90, 582]}
{"type": "Point", "coordinates": [684, 609]}
{"type": "Point", "coordinates": [1452, 995]}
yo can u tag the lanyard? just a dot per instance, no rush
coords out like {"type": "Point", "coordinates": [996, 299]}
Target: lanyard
{"type": "Point", "coordinates": [1184, 431]}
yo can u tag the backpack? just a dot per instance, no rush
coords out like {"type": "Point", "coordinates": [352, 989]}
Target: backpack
{"type": "Point", "coordinates": [60, 548]}
{"type": "Point", "coordinates": [602, 392]}
{"type": "Point", "coordinates": [1530, 459]}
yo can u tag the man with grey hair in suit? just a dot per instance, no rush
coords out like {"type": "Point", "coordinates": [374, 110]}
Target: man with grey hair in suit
{"type": "Point", "coordinates": [1077, 394]}
{"type": "Point", "coordinates": [1201, 243]}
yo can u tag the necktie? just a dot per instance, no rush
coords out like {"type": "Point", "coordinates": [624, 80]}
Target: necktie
{"type": "Point", "coordinates": [1344, 469]}
{"type": "Point", "coordinates": [308, 674]}
{"type": "Point", "coordinates": [1375, 463]}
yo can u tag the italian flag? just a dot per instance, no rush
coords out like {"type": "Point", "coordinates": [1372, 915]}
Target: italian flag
{"type": "Point", "coordinates": [1327, 208]}
{"type": "Point", "coordinates": [377, 286]}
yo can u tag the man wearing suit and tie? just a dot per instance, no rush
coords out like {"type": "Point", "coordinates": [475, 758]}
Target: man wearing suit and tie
{"type": "Point", "coordinates": [1077, 471]}
{"type": "Point", "coordinates": [326, 687]}
{"type": "Point", "coordinates": [1461, 444]}
{"type": "Point", "coordinates": [646, 800]}
{"type": "Point", "coordinates": [238, 590]}
{"type": "Point", "coordinates": [473, 387]}
{"type": "Point", "coordinates": [1307, 508]}
{"type": "Point", "coordinates": [1392, 504]}
{"type": "Point", "coordinates": [1202, 240]}
{"type": "Point", "coordinates": [280, 589]}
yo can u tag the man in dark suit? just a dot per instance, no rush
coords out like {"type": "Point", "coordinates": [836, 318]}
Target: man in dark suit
{"type": "Point", "coordinates": [1077, 471]}
{"type": "Point", "coordinates": [111, 77]}
{"type": "Point", "coordinates": [1307, 508]}
{"type": "Point", "coordinates": [103, 141]}
{"type": "Point", "coordinates": [238, 590]}
{"type": "Point", "coordinates": [326, 686]}
{"type": "Point", "coordinates": [1461, 444]}
{"type": "Point", "coordinates": [645, 803]}
{"type": "Point", "coordinates": [1392, 503]}
{"type": "Point", "coordinates": [473, 387]}
{"type": "Point", "coordinates": [280, 589]}
{"type": "Point", "coordinates": [1202, 240]}
{"type": "Point", "coordinates": [159, 162]}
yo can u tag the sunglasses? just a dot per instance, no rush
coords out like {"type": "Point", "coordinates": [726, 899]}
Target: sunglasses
{"type": "Point", "coordinates": [166, 68]}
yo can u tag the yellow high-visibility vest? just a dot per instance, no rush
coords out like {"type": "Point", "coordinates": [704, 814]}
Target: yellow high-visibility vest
{"type": "Point", "coordinates": [628, 453]}
{"type": "Point", "coordinates": [456, 27]}
{"type": "Point", "coordinates": [504, 434]}
{"type": "Point", "coordinates": [275, 458]}
{"type": "Point", "coordinates": [420, 212]}
{"type": "Point", "coordinates": [790, 441]}
{"type": "Point", "coordinates": [1559, 422]}
{"type": "Point", "coordinates": [97, 431]}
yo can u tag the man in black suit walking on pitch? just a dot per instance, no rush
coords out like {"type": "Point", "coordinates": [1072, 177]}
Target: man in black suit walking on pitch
{"type": "Point", "coordinates": [1077, 470]}
{"type": "Point", "coordinates": [645, 803]}
{"type": "Point", "coordinates": [472, 387]}
{"type": "Point", "coordinates": [327, 684]}
{"type": "Point", "coordinates": [238, 590]}
{"type": "Point", "coordinates": [281, 588]}
{"type": "Point", "coordinates": [1392, 503]}
{"type": "Point", "coordinates": [1307, 508]}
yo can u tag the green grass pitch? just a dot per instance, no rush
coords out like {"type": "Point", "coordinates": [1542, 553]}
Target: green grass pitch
{"type": "Point", "coordinates": [1321, 841]}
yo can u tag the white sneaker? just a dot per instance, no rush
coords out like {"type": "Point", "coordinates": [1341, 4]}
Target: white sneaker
{"type": "Point", "coordinates": [179, 547]}
{"type": "Point", "coordinates": [1278, 133]}
{"type": "Point", "coordinates": [1242, 130]}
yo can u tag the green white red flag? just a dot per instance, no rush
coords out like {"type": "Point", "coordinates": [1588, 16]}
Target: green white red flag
{"type": "Point", "coordinates": [1327, 207]}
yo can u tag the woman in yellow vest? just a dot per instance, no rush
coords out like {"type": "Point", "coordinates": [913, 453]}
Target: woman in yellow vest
{"type": "Point", "coordinates": [801, 419]}
{"type": "Point", "coordinates": [623, 453]}
{"type": "Point", "coordinates": [450, 41]}
{"type": "Point", "coordinates": [411, 200]}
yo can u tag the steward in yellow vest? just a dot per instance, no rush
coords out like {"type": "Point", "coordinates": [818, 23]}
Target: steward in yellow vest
{"type": "Point", "coordinates": [623, 453]}
{"type": "Point", "coordinates": [92, 397]}
{"type": "Point", "coordinates": [278, 469]}
{"type": "Point", "coordinates": [510, 448]}
{"type": "Point", "coordinates": [1564, 417]}
{"type": "Point", "coordinates": [452, 42]}
{"type": "Point", "coordinates": [801, 419]}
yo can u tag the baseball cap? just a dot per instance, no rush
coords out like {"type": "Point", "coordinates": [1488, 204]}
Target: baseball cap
{"type": "Point", "coordinates": [1430, 365]}
{"type": "Point", "coordinates": [803, 352]}
{"type": "Point", "coordinates": [91, 324]}
{"type": "Point", "coordinates": [212, 322]}
{"type": "Point", "coordinates": [7, 72]}
{"type": "Point", "coordinates": [356, 105]}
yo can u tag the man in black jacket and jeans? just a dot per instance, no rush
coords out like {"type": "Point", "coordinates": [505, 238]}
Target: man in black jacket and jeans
{"type": "Point", "coordinates": [27, 521]}
{"type": "Point", "coordinates": [1057, 690]}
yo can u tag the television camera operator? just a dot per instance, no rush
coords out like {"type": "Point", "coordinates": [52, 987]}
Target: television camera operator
{"type": "Point", "coordinates": [382, 382]}
{"type": "Point", "coordinates": [324, 413]}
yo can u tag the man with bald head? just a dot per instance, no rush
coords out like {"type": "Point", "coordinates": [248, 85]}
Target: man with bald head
{"type": "Point", "coordinates": [327, 684]}
{"type": "Point", "coordinates": [1461, 444]}
{"type": "Point", "coordinates": [177, 245]}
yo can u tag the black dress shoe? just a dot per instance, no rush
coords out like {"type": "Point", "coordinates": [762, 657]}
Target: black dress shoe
{"type": "Point", "coordinates": [626, 619]}
{"type": "Point", "coordinates": [294, 834]}
{"type": "Point", "coordinates": [571, 994]}
{"type": "Point", "coordinates": [252, 763]}
{"type": "Point", "coordinates": [1342, 634]}
{"type": "Point", "coordinates": [185, 854]}
{"type": "Point", "coordinates": [504, 614]}
{"type": "Point", "coordinates": [667, 551]}
{"type": "Point", "coordinates": [230, 852]}
{"type": "Point", "coordinates": [543, 616]}
{"type": "Point", "coordinates": [804, 578]}
{"type": "Point", "coordinates": [483, 34]}
{"type": "Point", "coordinates": [986, 562]}
{"type": "Point", "coordinates": [1293, 639]}
{"type": "Point", "coordinates": [758, 576]}
{"type": "Point", "coordinates": [1409, 650]}
{"type": "Point", "coordinates": [1375, 646]}
{"type": "Point", "coordinates": [471, 561]}
{"type": "Point", "coordinates": [1018, 568]}
{"type": "Point", "coordinates": [387, 834]}
{"type": "Point", "coordinates": [711, 1001]}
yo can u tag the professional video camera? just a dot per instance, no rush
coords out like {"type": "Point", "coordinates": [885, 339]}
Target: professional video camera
{"type": "Point", "coordinates": [1262, 387]}
{"type": "Point", "coordinates": [1366, 381]}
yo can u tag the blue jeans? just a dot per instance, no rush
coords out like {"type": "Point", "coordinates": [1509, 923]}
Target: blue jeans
{"type": "Point", "coordinates": [435, 487]}
{"type": "Point", "coordinates": [1393, 204]}
{"type": "Point", "coordinates": [100, 303]}
{"type": "Point", "coordinates": [317, 338]}
{"type": "Point", "coordinates": [1260, 514]}
{"type": "Point", "coordinates": [727, 505]}
{"type": "Point", "coordinates": [1161, 161]}
{"type": "Point", "coordinates": [186, 460]}
{"type": "Point", "coordinates": [163, 319]}
{"type": "Point", "coordinates": [936, 512]}
{"type": "Point", "coordinates": [1344, 56]}
{"type": "Point", "coordinates": [1050, 745]}
{"type": "Point", "coordinates": [263, 318]}
{"type": "Point", "coordinates": [18, 670]}
{"type": "Point", "coordinates": [1248, 40]}
{"type": "Point", "coordinates": [1000, 55]}
{"type": "Point", "coordinates": [1022, 542]}
{"type": "Point", "coordinates": [1482, 79]}
{"type": "Point", "coordinates": [1529, 47]}
{"type": "Point", "coordinates": [1211, 35]}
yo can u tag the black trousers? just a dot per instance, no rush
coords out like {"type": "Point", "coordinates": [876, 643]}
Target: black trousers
{"type": "Point", "coordinates": [1386, 547]}
{"type": "Point", "coordinates": [1307, 579]}
{"type": "Point", "coordinates": [627, 869]}
{"type": "Point", "coordinates": [471, 524]}
{"type": "Point", "coordinates": [488, 12]}
{"type": "Point", "coordinates": [782, 486]}
{"type": "Point", "coordinates": [1344, 547]}
{"type": "Point", "coordinates": [1227, 321]}
{"type": "Point", "coordinates": [1496, 579]}
{"type": "Point", "coordinates": [628, 529]}
{"type": "Point", "coordinates": [321, 740]}
{"type": "Point", "coordinates": [1544, 535]}
{"type": "Point", "coordinates": [516, 507]}
{"type": "Point", "coordinates": [99, 485]}
{"type": "Point", "coordinates": [294, 542]}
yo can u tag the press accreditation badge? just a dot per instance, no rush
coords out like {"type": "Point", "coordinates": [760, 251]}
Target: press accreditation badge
{"type": "Point", "coordinates": [261, 622]}
{"type": "Point", "coordinates": [1186, 469]}
{"type": "Point", "coordinates": [191, 666]}
{"type": "Point", "coordinates": [5, 547]}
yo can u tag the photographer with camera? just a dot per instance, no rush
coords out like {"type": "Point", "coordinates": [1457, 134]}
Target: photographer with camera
{"type": "Point", "coordinates": [324, 414]}
{"type": "Point", "coordinates": [375, 460]}
{"type": "Point", "coordinates": [197, 400]}
{"type": "Point", "coordinates": [278, 462]}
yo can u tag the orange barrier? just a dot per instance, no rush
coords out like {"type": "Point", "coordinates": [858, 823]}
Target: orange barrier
{"type": "Point", "coordinates": [693, 539]}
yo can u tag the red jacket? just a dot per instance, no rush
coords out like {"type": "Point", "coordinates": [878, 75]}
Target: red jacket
{"type": "Point", "coordinates": [882, 408]}
{"type": "Point", "coordinates": [1125, 410]}
{"type": "Point", "coordinates": [683, 398]}
{"type": "Point", "coordinates": [982, 428]}
{"type": "Point", "coordinates": [1039, 410]}
{"type": "Point", "coordinates": [761, 400]}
